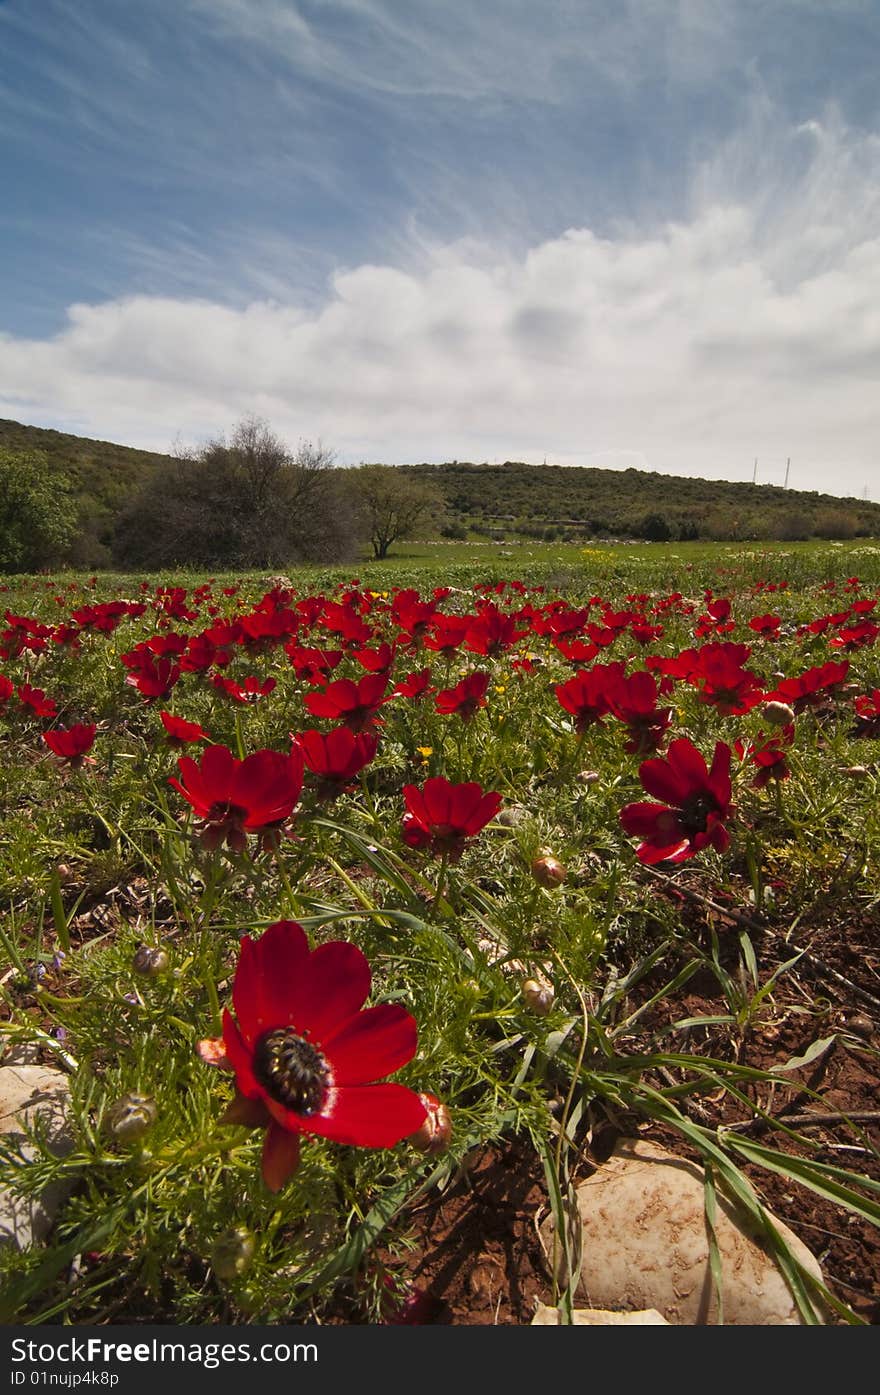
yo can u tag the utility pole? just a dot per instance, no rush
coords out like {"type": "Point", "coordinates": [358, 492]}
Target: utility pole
{"type": "Point", "coordinates": [787, 468]}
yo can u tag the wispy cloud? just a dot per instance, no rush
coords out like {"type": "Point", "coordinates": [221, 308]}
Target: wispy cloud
{"type": "Point", "coordinates": [729, 335]}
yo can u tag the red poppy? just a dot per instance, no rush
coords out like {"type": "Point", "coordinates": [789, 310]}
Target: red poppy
{"type": "Point", "coordinates": [723, 680]}
{"type": "Point", "coordinates": [442, 816]}
{"type": "Point", "coordinates": [633, 700]}
{"type": "Point", "coordinates": [308, 1057]}
{"type": "Point", "coordinates": [339, 756]}
{"type": "Point", "coordinates": [811, 688]}
{"type": "Point", "coordinates": [72, 745]}
{"type": "Point", "coordinates": [867, 708]}
{"type": "Point", "coordinates": [768, 753]}
{"type": "Point", "coordinates": [447, 633]}
{"type": "Point", "coordinates": [153, 677]}
{"type": "Point", "coordinates": [7, 688]}
{"type": "Point", "coordinates": [697, 801]}
{"type": "Point", "coordinates": [587, 696]}
{"type": "Point", "coordinates": [180, 732]}
{"type": "Point", "coordinates": [465, 698]}
{"type": "Point", "coordinates": [36, 700]}
{"type": "Point", "coordinates": [248, 692]}
{"type": "Point", "coordinates": [236, 797]}
{"type": "Point", "coordinates": [415, 685]}
{"type": "Point", "coordinates": [355, 704]}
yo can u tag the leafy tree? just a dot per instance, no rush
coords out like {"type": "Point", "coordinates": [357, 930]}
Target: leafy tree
{"type": "Point", "coordinates": [38, 517]}
{"type": "Point", "coordinates": [246, 502]}
{"type": "Point", "coordinates": [394, 505]}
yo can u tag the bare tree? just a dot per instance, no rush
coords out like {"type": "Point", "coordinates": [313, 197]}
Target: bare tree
{"type": "Point", "coordinates": [246, 502]}
{"type": "Point", "coordinates": [394, 505]}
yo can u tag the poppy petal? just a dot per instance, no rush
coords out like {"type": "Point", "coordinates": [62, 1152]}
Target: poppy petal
{"type": "Point", "coordinates": [331, 986]}
{"type": "Point", "coordinates": [372, 1045]}
{"type": "Point", "coordinates": [268, 975]}
{"type": "Point", "coordinates": [368, 1116]}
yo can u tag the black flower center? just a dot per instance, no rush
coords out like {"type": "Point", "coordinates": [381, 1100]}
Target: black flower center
{"type": "Point", "coordinates": [695, 811]}
{"type": "Point", "coordinates": [292, 1070]}
{"type": "Point", "coordinates": [224, 812]}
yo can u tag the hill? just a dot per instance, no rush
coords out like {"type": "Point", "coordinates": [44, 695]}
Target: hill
{"type": "Point", "coordinates": [539, 501]}
{"type": "Point", "coordinates": [553, 500]}
{"type": "Point", "coordinates": [103, 476]}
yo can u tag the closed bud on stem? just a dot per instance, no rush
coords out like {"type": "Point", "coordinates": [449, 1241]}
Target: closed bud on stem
{"type": "Point", "coordinates": [131, 1117]}
{"type": "Point", "coordinates": [778, 714]}
{"type": "Point", "coordinates": [149, 961]}
{"type": "Point", "coordinates": [538, 997]}
{"type": "Point", "coordinates": [548, 871]}
{"type": "Point", "coordinates": [434, 1135]}
{"type": "Point", "coordinates": [856, 772]}
{"type": "Point", "coordinates": [233, 1252]}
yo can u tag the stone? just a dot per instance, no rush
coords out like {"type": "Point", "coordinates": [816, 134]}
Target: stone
{"type": "Point", "coordinates": [645, 1245]}
{"type": "Point", "coordinates": [598, 1317]}
{"type": "Point", "coordinates": [32, 1097]}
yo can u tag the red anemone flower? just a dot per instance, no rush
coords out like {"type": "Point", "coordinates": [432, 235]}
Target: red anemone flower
{"type": "Point", "coordinates": [442, 816]}
{"type": "Point", "coordinates": [867, 709]}
{"type": "Point", "coordinates": [36, 700]}
{"type": "Point", "coordinates": [768, 753]}
{"type": "Point", "coordinates": [72, 745]}
{"type": "Point", "coordinates": [180, 732]}
{"type": "Point", "coordinates": [236, 797]}
{"type": "Point", "coordinates": [337, 757]}
{"type": "Point", "coordinates": [465, 698]}
{"type": "Point", "coordinates": [355, 704]}
{"type": "Point", "coordinates": [308, 1057]}
{"type": "Point", "coordinates": [697, 801]}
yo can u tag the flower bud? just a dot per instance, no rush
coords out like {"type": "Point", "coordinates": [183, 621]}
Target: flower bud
{"type": "Point", "coordinates": [130, 1117]}
{"type": "Point", "coordinates": [511, 817]}
{"type": "Point", "coordinates": [588, 777]}
{"type": "Point", "coordinates": [434, 1135]}
{"type": "Point", "coordinates": [149, 961]}
{"type": "Point", "coordinates": [548, 871]}
{"type": "Point", "coordinates": [855, 772]}
{"type": "Point", "coordinates": [233, 1252]}
{"type": "Point", "coordinates": [778, 714]}
{"type": "Point", "coordinates": [538, 997]}
{"type": "Point", "coordinates": [861, 1026]}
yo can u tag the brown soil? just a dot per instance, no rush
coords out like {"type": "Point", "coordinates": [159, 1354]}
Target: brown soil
{"type": "Point", "coordinates": [478, 1259]}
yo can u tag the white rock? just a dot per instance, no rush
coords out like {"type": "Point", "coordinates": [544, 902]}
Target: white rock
{"type": "Point", "coordinates": [645, 1245]}
{"type": "Point", "coordinates": [32, 1097]}
{"type": "Point", "coordinates": [598, 1317]}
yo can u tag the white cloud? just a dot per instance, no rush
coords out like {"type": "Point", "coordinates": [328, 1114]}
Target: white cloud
{"type": "Point", "coordinates": [752, 328]}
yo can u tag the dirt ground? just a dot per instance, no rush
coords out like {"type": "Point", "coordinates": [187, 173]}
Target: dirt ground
{"type": "Point", "coordinates": [478, 1258]}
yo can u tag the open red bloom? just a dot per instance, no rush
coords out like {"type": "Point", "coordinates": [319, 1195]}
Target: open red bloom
{"type": "Point", "coordinates": [465, 698]}
{"type": "Point", "coordinates": [355, 704]}
{"type": "Point", "coordinates": [180, 732]}
{"type": "Point", "coordinates": [587, 696]}
{"type": "Point", "coordinates": [867, 709]}
{"type": "Point", "coordinates": [249, 691]}
{"type": "Point", "coordinates": [236, 797]}
{"type": "Point", "coordinates": [442, 816]}
{"type": "Point", "coordinates": [308, 1057]}
{"type": "Point", "coordinates": [768, 753]}
{"type": "Point", "coordinates": [697, 801]}
{"type": "Point", "coordinates": [339, 756]}
{"type": "Point", "coordinates": [71, 745]}
{"type": "Point", "coordinates": [36, 700]}
{"type": "Point", "coordinates": [633, 701]}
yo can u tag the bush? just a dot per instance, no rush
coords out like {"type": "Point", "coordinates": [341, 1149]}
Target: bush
{"type": "Point", "coordinates": [248, 503]}
{"type": "Point", "coordinates": [37, 513]}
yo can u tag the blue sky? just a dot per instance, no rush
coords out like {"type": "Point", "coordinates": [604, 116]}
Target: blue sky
{"type": "Point", "coordinates": [592, 231]}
